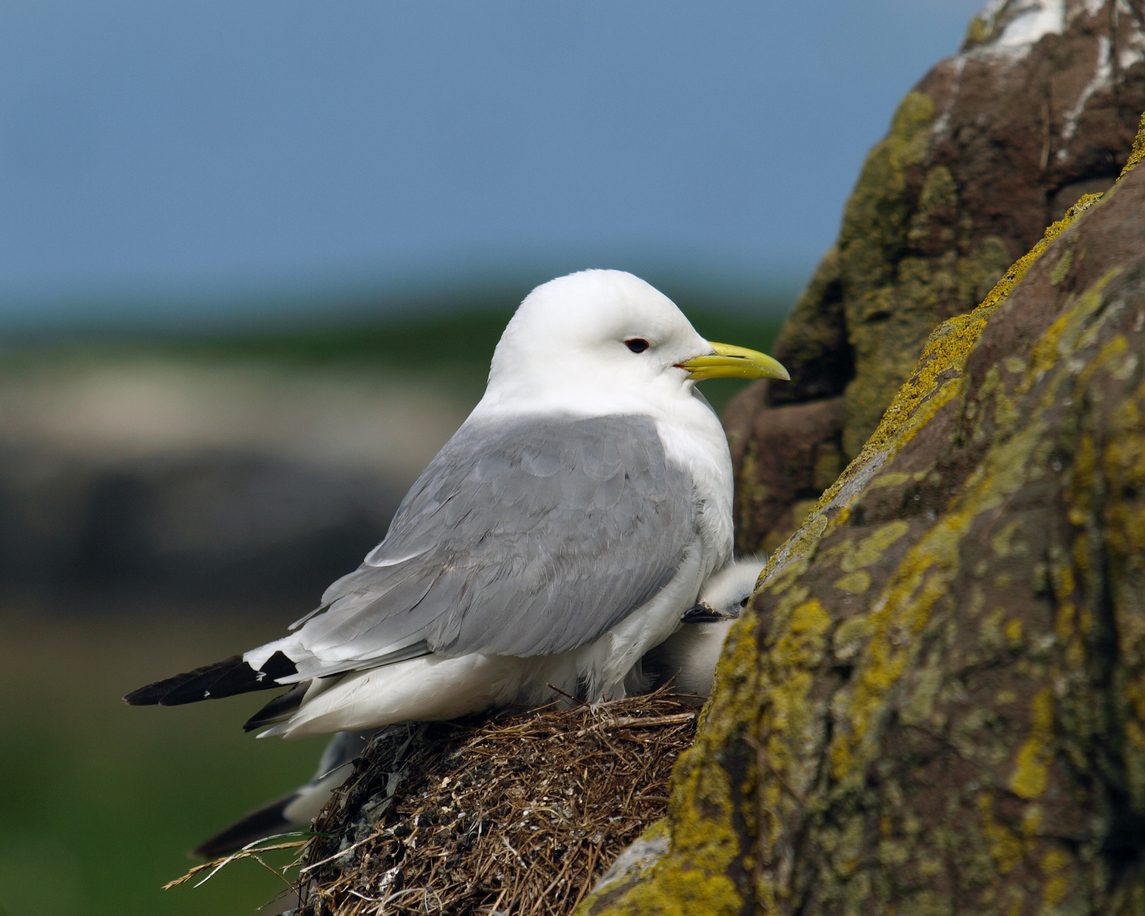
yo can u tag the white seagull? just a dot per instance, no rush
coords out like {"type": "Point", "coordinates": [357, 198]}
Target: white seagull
{"type": "Point", "coordinates": [560, 533]}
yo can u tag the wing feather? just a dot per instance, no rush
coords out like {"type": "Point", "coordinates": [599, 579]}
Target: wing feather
{"type": "Point", "coordinates": [524, 538]}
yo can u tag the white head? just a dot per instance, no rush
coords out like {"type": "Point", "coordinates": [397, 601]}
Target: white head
{"type": "Point", "coordinates": [610, 331]}
{"type": "Point", "coordinates": [727, 592]}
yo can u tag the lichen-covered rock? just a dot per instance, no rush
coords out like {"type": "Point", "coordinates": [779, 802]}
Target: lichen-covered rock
{"type": "Point", "coordinates": [943, 706]}
{"type": "Point", "coordinates": [990, 147]}
{"type": "Point", "coordinates": [795, 453]}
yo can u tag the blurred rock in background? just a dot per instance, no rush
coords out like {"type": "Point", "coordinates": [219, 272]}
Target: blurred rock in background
{"type": "Point", "coordinates": [144, 479]}
{"type": "Point", "coordinates": [247, 469]}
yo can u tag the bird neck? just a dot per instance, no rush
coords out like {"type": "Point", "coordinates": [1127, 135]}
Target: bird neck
{"type": "Point", "coordinates": [594, 397]}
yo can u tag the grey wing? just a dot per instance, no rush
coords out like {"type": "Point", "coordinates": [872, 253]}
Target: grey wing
{"type": "Point", "coordinates": [524, 538]}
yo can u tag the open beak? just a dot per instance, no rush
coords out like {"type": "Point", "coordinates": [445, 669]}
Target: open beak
{"type": "Point", "coordinates": [728, 361]}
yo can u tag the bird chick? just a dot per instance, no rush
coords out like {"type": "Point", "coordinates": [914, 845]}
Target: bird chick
{"type": "Point", "coordinates": [688, 657]}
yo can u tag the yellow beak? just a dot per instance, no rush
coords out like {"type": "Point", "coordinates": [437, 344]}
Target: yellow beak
{"type": "Point", "coordinates": [728, 361]}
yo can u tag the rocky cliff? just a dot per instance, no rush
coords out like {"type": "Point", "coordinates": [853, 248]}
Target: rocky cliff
{"type": "Point", "coordinates": [988, 149]}
{"type": "Point", "coordinates": [939, 702]}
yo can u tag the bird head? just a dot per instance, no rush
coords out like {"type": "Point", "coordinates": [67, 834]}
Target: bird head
{"type": "Point", "coordinates": [610, 331]}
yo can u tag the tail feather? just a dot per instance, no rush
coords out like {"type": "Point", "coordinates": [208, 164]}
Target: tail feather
{"type": "Point", "coordinates": [281, 707]}
{"type": "Point", "coordinates": [210, 682]}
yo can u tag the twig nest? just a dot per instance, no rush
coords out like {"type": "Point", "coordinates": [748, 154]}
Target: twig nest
{"type": "Point", "coordinates": [518, 813]}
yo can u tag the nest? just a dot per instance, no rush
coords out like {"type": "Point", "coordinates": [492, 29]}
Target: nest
{"type": "Point", "coordinates": [518, 813]}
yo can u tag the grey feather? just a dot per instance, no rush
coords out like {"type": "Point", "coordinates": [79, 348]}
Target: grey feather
{"type": "Point", "coordinates": [527, 537]}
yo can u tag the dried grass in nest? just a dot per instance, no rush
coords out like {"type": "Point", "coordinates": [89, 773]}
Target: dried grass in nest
{"type": "Point", "coordinates": [517, 813]}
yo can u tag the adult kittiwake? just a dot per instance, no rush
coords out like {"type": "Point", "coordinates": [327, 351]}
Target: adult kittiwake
{"type": "Point", "coordinates": [687, 658]}
{"type": "Point", "coordinates": [556, 537]}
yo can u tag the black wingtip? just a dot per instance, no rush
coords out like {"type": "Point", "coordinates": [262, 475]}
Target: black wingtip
{"type": "Point", "coordinates": [188, 686]}
{"type": "Point", "coordinates": [265, 821]}
{"type": "Point", "coordinates": [222, 679]}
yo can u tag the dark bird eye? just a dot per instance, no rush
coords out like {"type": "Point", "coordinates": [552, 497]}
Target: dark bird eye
{"type": "Point", "coordinates": [636, 344]}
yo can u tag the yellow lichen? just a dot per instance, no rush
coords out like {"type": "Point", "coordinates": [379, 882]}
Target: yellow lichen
{"type": "Point", "coordinates": [1032, 764]}
{"type": "Point", "coordinates": [785, 716]}
{"type": "Point", "coordinates": [872, 548]}
{"type": "Point", "coordinates": [1056, 866]}
{"type": "Point", "coordinates": [890, 479]}
{"type": "Point", "coordinates": [977, 33]}
{"type": "Point", "coordinates": [1063, 335]}
{"type": "Point", "coordinates": [898, 616]}
{"type": "Point", "coordinates": [1004, 541]}
{"type": "Point", "coordinates": [856, 583]}
{"type": "Point", "coordinates": [1061, 269]}
{"type": "Point", "coordinates": [1005, 845]}
{"type": "Point", "coordinates": [1137, 153]}
{"type": "Point", "coordinates": [850, 635]}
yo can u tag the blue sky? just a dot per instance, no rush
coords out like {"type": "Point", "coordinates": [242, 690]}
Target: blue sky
{"type": "Point", "coordinates": [173, 161]}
